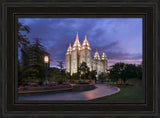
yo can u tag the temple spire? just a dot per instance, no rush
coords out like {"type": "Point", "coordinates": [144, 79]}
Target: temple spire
{"type": "Point", "coordinates": [86, 37]}
{"type": "Point", "coordinates": [86, 44]}
{"type": "Point", "coordinates": [69, 49]}
{"type": "Point", "coordinates": [70, 45]}
{"type": "Point", "coordinates": [104, 57]}
{"type": "Point", "coordinates": [96, 55]}
{"type": "Point", "coordinates": [77, 44]}
{"type": "Point", "coordinates": [77, 38]}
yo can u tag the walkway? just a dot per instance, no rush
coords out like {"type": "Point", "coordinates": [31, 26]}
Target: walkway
{"type": "Point", "coordinates": [100, 91]}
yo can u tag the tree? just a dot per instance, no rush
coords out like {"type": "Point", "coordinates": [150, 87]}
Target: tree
{"type": "Point", "coordinates": [68, 76]}
{"type": "Point", "coordinates": [75, 76]}
{"type": "Point", "coordinates": [139, 71]}
{"type": "Point", "coordinates": [83, 70]}
{"type": "Point", "coordinates": [115, 71]}
{"type": "Point", "coordinates": [20, 80]}
{"type": "Point", "coordinates": [130, 71]}
{"type": "Point", "coordinates": [33, 62]}
{"type": "Point", "coordinates": [23, 41]}
{"type": "Point", "coordinates": [125, 71]}
{"type": "Point", "coordinates": [102, 77]}
{"type": "Point", "coordinates": [92, 75]}
{"type": "Point", "coordinates": [22, 38]}
{"type": "Point", "coordinates": [123, 75]}
{"type": "Point", "coordinates": [37, 56]}
{"type": "Point", "coordinates": [62, 75]}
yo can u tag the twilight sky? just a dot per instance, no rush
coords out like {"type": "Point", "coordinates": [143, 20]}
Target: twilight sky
{"type": "Point", "coordinates": [119, 38]}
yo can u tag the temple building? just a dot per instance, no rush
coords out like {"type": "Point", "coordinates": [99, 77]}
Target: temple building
{"type": "Point", "coordinates": [82, 53]}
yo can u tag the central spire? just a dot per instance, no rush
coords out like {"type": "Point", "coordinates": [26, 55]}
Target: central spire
{"type": "Point", "coordinates": [86, 37]}
{"type": "Point", "coordinates": [77, 38]}
{"type": "Point", "coordinates": [77, 43]}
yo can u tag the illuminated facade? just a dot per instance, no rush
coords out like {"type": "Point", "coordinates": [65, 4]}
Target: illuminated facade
{"type": "Point", "coordinates": [82, 53]}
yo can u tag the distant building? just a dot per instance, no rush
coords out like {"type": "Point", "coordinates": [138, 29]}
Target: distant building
{"type": "Point", "coordinates": [82, 53]}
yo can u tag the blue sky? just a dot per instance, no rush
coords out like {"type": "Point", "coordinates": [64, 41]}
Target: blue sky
{"type": "Point", "coordinates": [119, 38]}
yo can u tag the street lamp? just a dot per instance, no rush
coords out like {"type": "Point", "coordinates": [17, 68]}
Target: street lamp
{"type": "Point", "coordinates": [108, 71]}
{"type": "Point", "coordinates": [46, 60]}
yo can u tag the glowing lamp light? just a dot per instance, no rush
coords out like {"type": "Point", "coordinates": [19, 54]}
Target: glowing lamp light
{"type": "Point", "coordinates": [46, 59]}
{"type": "Point", "coordinates": [108, 71]}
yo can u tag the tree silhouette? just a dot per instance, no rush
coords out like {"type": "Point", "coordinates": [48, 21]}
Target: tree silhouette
{"type": "Point", "coordinates": [115, 71]}
{"type": "Point", "coordinates": [33, 69]}
{"type": "Point", "coordinates": [92, 75]}
{"type": "Point", "coordinates": [102, 77]}
{"type": "Point", "coordinates": [60, 65]}
{"type": "Point", "coordinates": [125, 71]}
{"type": "Point", "coordinates": [22, 38]}
{"type": "Point", "coordinates": [83, 69]}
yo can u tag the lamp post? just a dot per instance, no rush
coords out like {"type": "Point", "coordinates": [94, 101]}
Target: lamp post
{"type": "Point", "coordinates": [46, 60]}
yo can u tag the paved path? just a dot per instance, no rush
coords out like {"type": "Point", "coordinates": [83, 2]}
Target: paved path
{"type": "Point", "coordinates": [100, 91]}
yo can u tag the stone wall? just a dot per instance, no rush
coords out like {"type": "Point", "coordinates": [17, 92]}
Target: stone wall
{"type": "Point", "coordinates": [83, 87]}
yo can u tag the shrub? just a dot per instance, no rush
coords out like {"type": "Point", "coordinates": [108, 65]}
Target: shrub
{"type": "Point", "coordinates": [33, 85]}
{"type": "Point", "coordinates": [21, 87]}
{"type": "Point", "coordinates": [91, 83]}
{"type": "Point", "coordinates": [83, 83]}
{"type": "Point", "coordinates": [27, 86]}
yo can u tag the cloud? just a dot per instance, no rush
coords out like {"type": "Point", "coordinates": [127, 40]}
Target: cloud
{"type": "Point", "coordinates": [119, 38]}
{"type": "Point", "coordinates": [123, 55]}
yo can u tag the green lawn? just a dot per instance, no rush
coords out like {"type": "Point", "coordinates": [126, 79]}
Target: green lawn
{"type": "Point", "coordinates": [127, 92]}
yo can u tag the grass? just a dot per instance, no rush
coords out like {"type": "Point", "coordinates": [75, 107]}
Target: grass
{"type": "Point", "coordinates": [127, 92]}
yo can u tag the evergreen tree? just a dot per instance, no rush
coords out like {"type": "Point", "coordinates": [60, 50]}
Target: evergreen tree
{"type": "Point", "coordinates": [33, 62]}
{"type": "Point", "coordinates": [53, 72]}
{"type": "Point", "coordinates": [23, 42]}
{"type": "Point", "coordinates": [83, 70]}
{"type": "Point", "coordinates": [22, 38]}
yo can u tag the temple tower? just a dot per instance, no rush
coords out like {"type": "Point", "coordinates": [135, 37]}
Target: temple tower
{"type": "Point", "coordinates": [75, 55]}
{"type": "Point", "coordinates": [68, 59]}
{"type": "Point", "coordinates": [97, 62]}
{"type": "Point", "coordinates": [104, 61]}
{"type": "Point", "coordinates": [85, 53]}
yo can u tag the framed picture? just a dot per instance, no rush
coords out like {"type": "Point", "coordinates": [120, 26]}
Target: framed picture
{"type": "Point", "coordinates": [78, 72]}
{"type": "Point", "coordinates": [79, 59]}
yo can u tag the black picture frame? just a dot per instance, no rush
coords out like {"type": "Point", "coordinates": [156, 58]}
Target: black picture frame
{"type": "Point", "coordinates": [148, 10]}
